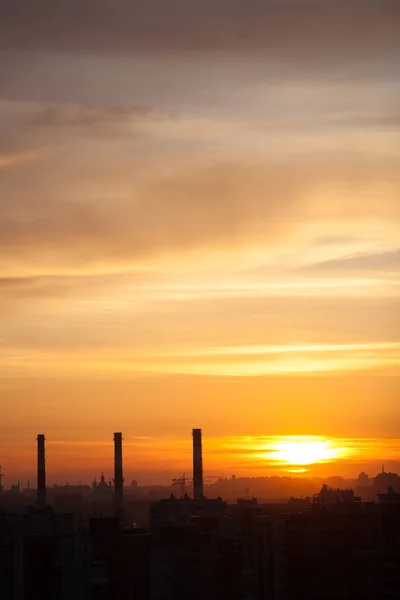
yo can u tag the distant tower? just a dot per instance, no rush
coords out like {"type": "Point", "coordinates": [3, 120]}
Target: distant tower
{"type": "Point", "coordinates": [1, 480]}
{"type": "Point", "coordinates": [197, 465]}
{"type": "Point", "coordinates": [118, 476]}
{"type": "Point", "coordinates": [41, 472]}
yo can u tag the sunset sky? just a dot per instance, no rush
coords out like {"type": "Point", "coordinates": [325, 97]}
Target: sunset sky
{"type": "Point", "coordinates": [199, 227]}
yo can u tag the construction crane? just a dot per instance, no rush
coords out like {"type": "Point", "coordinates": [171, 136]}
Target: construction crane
{"type": "Point", "coordinates": [183, 480]}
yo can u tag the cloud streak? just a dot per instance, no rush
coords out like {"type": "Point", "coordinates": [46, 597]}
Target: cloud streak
{"type": "Point", "coordinates": [383, 262]}
{"type": "Point", "coordinates": [191, 206]}
{"type": "Point", "coordinates": [10, 160]}
{"type": "Point", "coordinates": [70, 116]}
{"type": "Point", "coordinates": [286, 28]}
{"type": "Point", "coordinates": [236, 361]}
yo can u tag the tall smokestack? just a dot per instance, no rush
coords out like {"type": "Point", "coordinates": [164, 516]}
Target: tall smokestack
{"type": "Point", "coordinates": [41, 472]}
{"type": "Point", "coordinates": [197, 465]}
{"type": "Point", "coordinates": [118, 476]}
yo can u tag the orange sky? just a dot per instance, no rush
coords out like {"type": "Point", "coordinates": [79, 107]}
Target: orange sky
{"type": "Point", "coordinates": [198, 229]}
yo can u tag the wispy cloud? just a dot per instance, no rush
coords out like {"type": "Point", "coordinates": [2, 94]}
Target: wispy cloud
{"type": "Point", "coordinates": [19, 158]}
{"type": "Point", "coordinates": [274, 26]}
{"type": "Point", "coordinates": [242, 361]}
{"type": "Point", "coordinates": [78, 116]}
{"type": "Point", "coordinates": [384, 262]}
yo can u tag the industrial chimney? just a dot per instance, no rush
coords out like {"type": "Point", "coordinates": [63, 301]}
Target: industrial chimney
{"type": "Point", "coordinates": [118, 476]}
{"type": "Point", "coordinates": [41, 472]}
{"type": "Point", "coordinates": [197, 465]}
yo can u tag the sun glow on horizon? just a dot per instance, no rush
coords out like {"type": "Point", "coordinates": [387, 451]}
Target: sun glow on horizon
{"type": "Point", "coordinates": [304, 452]}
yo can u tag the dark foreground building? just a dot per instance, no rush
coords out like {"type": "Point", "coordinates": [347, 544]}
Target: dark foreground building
{"type": "Point", "coordinates": [331, 548]}
{"type": "Point", "coordinates": [333, 551]}
{"type": "Point", "coordinates": [42, 558]}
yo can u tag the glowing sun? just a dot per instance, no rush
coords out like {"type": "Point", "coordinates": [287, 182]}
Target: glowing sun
{"type": "Point", "coordinates": [300, 452]}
